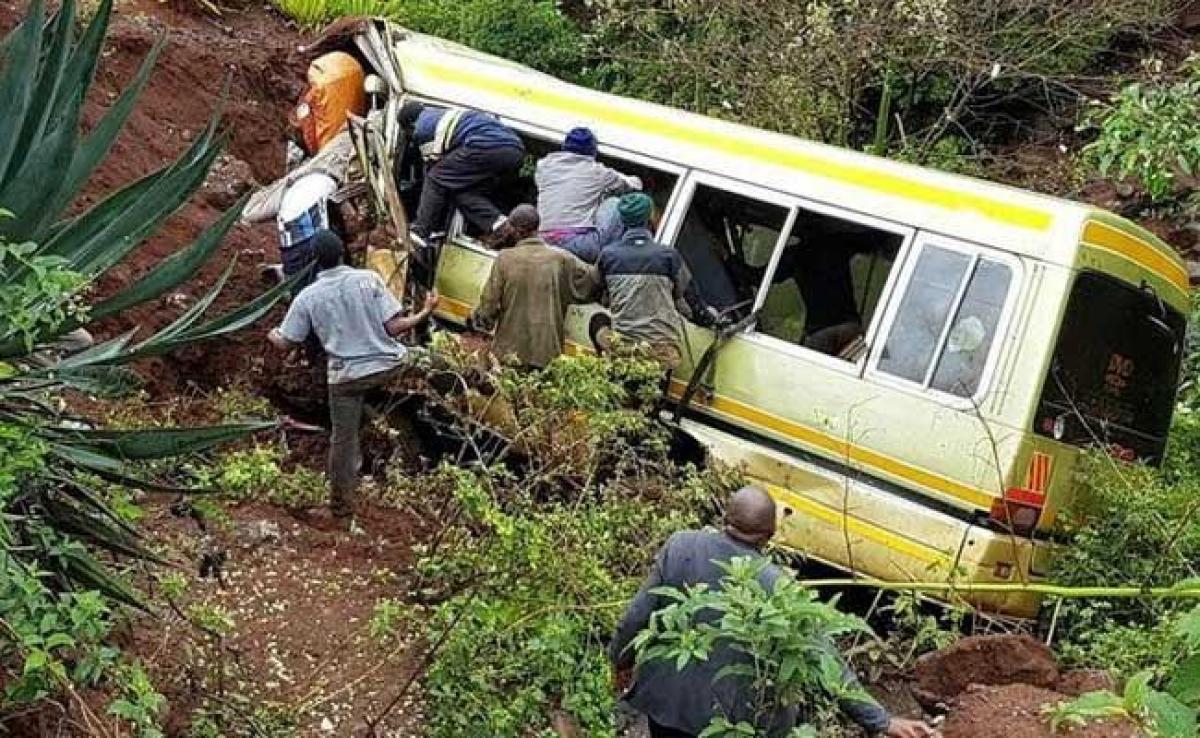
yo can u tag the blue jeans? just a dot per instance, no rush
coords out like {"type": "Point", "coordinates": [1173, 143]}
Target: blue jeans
{"type": "Point", "coordinates": [587, 243]}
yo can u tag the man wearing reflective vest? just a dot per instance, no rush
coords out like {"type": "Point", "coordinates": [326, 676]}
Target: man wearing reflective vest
{"type": "Point", "coordinates": [465, 153]}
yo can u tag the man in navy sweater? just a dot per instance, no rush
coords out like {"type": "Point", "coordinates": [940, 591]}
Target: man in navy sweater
{"type": "Point", "coordinates": [465, 153]}
{"type": "Point", "coordinates": [682, 703]}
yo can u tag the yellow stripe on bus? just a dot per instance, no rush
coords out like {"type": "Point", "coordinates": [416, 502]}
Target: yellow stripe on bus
{"type": "Point", "coordinates": [454, 308]}
{"type": "Point", "coordinates": [857, 526]}
{"type": "Point", "coordinates": [1113, 240]}
{"type": "Point", "coordinates": [812, 163]}
{"type": "Point", "coordinates": [842, 449]}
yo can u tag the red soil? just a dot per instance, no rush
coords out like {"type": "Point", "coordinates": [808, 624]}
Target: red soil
{"type": "Point", "coordinates": [251, 51]}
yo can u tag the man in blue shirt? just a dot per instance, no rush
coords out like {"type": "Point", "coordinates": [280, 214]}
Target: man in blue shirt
{"type": "Point", "coordinates": [465, 153]}
{"type": "Point", "coordinates": [357, 320]}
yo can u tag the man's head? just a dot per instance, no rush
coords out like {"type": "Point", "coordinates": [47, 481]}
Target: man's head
{"type": "Point", "coordinates": [409, 112]}
{"type": "Point", "coordinates": [635, 209]}
{"type": "Point", "coordinates": [328, 250]}
{"type": "Point", "coordinates": [750, 516]}
{"type": "Point", "coordinates": [524, 221]}
{"type": "Point", "coordinates": [580, 141]}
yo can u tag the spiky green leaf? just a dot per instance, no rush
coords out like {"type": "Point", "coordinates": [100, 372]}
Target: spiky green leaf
{"type": "Point", "coordinates": [176, 269]}
{"type": "Point", "coordinates": [158, 443]}
{"type": "Point", "coordinates": [97, 144]}
{"type": "Point", "coordinates": [50, 75]}
{"type": "Point", "coordinates": [18, 73]}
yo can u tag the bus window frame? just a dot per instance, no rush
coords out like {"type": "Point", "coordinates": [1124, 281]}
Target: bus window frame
{"type": "Point", "coordinates": [857, 367]}
{"type": "Point", "coordinates": [999, 343]}
{"type": "Point", "coordinates": [672, 224]}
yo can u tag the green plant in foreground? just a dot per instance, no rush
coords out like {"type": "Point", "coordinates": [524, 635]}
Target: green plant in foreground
{"type": "Point", "coordinates": [1150, 132]}
{"type": "Point", "coordinates": [139, 704]}
{"type": "Point", "coordinates": [785, 635]}
{"type": "Point", "coordinates": [1167, 713]}
{"type": "Point", "coordinates": [57, 596]}
{"type": "Point", "coordinates": [534, 564]}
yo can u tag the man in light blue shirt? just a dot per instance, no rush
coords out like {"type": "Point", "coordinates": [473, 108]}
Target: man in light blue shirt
{"type": "Point", "coordinates": [357, 319]}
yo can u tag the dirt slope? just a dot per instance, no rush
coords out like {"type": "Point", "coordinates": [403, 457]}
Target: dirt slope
{"type": "Point", "coordinates": [253, 52]}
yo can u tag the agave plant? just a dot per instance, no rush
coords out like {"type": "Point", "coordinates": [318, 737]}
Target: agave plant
{"type": "Point", "coordinates": [51, 513]}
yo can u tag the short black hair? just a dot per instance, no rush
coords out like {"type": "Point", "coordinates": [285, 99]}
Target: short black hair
{"type": "Point", "coordinates": [328, 249]}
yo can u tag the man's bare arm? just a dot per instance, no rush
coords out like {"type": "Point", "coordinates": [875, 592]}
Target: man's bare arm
{"type": "Point", "coordinates": [399, 323]}
{"type": "Point", "coordinates": [276, 339]}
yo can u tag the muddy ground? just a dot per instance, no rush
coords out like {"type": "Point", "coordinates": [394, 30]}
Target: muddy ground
{"type": "Point", "coordinates": [302, 598]}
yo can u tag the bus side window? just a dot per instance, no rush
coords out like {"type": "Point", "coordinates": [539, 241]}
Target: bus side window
{"type": "Point", "coordinates": [946, 323]}
{"type": "Point", "coordinates": [825, 290]}
{"type": "Point", "coordinates": [726, 239]}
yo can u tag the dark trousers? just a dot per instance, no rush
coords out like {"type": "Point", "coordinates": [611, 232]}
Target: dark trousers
{"type": "Point", "coordinates": [662, 731]}
{"type": "Point", "coordinates": [295, 258]}
{"type": "Point", "coordinates": [346, 400]}
{"type": "Point", "coordinates": [463, 178]}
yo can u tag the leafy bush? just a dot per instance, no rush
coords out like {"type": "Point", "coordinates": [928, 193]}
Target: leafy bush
{"type": "Point", "coordinates": [1166, 713]}
{"type": "Point", "coordinates": [534, 563]}
{"type": "Point", "coordinates": [783, 632]}
{"type": "Point", "coordinates": [1149, 132]}
{"type": "Point", "coordinates": [532, 32]}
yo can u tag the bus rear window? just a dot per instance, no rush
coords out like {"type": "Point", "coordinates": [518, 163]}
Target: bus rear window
{"type": "Point", "coordinates": [1116, 366]}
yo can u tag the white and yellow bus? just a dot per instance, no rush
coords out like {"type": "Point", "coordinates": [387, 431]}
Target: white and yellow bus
{"type": "Point", "coordinates": [1001, 330]}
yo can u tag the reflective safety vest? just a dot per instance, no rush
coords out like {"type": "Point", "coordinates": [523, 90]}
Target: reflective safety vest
{"type": "Point", "coordinates": [443, 135]}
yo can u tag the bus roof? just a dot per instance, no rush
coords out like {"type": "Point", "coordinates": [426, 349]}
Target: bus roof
{"type": "Point", "coordinates": [1001, 216]}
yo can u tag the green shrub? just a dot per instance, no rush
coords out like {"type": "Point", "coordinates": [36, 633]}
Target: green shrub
{"type": "Point", "coordinates": [532, 32]}
{"type": "Point", "coordinates": [534, 564]}
{"type": "Point", "coordinates": [783, 632]}
{"type": "Point", "coordinates": [1164, 706]}
{"type": "Point", "coordinates": [1149, 132]}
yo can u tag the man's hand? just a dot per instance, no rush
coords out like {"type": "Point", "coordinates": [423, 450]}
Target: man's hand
{"type": "Point", "coordinates": [276, 339]}
{"type": "Point", "coordinates": [431, 301]}
{"type": "Point", "coordinates": [901, 728]}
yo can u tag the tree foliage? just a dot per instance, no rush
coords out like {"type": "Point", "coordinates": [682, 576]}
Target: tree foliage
{"type": "Point", "coordinates": [785, 634]}
{"type": "Point", "coordinates": [1150, 132]}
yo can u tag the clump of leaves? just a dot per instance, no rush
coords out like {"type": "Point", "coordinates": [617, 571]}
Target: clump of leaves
{"type": "Point", "coordinates": [257, 473]}
{"type": "Point", "coordinates": [784, 634]}
{"type": "Point", "coordinates": [1169, 712]}
{"type": "Point", "coordinates": [533, 563]}
{"type": "Point", "coordinates": [1149, 132]}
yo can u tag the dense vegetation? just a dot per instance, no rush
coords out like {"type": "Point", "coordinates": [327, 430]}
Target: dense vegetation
{"type": "Point", "coordinates": [60, 475]}
{"type": "Point", "coordinates": [542, 536]}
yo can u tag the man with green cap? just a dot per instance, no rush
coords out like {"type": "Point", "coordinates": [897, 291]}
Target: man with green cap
{"type": "Point", "coordinates": [648, 286]}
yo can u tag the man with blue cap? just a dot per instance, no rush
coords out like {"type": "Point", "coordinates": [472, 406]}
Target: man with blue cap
{"type": "Point", "coordinates": [577, 197]}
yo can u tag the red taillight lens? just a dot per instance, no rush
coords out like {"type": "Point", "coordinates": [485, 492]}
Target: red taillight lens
{"type": "Point", "coordinates": [1019, 511]}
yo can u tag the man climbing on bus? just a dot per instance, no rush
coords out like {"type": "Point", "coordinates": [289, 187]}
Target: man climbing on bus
{"type": "Point", "coordinates": [528, 292]}
{"type": "Point", "coordinates": [466, 152]}
{"type": "Point", "coordinates": [577, 197]}
{"type": "Point", "coordinates": [648, 288]}
{"type": "Point", "coordinates": [357, 320]}
{"type": "Point", "coordinates": [681, 703]}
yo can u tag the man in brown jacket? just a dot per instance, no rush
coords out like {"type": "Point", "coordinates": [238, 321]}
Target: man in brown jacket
{"type": "Point", "coordinates": [528, 292]}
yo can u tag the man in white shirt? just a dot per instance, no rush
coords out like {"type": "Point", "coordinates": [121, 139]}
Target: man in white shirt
{"type": "Point", "coordinates": [577, 197]}
{"type": "Point", "coordinates": [357, 320]}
